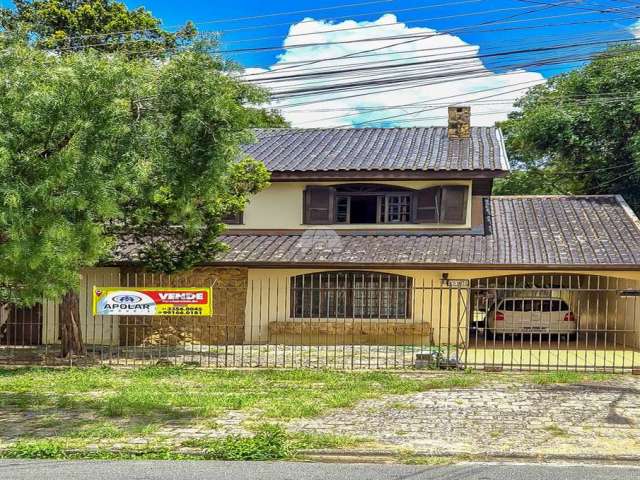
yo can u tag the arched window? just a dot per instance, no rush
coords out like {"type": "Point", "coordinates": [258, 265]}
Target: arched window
{"type": "Point", "coordinates": [351, 294]}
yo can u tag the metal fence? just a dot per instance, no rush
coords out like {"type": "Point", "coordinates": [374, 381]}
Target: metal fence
{"type": "Point", "coordinates": [355, 320]}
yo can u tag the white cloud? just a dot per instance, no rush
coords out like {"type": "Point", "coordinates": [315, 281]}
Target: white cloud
{"type": "Point", "coordinates": [427, 45]}
{"type": "Point", "coordinates": [635, 29]}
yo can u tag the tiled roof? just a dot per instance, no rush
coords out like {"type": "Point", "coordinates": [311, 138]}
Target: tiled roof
{"type": "Point", "coordinates": [362, 149]}
{"type": "Point", "coordinates": [526, 231]}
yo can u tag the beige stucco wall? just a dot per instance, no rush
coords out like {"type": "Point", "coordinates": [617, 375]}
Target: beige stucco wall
{"type": "Point", "coordinates": [607, 316]}
{"type": "Point", "coordinates": [441, 308]}
{"type": "Point", "coordinates": [280, 206]}
{"type": "Point", "coordinates": [435, 311]}
{"type": "Point", "coordinates": [99, 330]}
{"type": "Point", "coordinates": [268, 302]}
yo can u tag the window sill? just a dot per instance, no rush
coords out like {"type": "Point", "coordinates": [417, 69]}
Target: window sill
{"type": "Point", "coordinates": [390, 226]}
{"type": "Point", "coordinates": [351, 319]}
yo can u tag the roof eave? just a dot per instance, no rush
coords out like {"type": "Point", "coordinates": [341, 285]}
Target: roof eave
{"type": "Point", "coordinates": [358, 175]}
{"type": "Point", "coordinates": [411, 266]}
{"type": "Point", "coordinates": [433, 266]}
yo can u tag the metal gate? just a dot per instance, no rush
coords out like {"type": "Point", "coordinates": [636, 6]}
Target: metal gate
{"type": "Point", "coordinates": [554, 322]}
{"type": "Point", "coordinates": [357, 320]}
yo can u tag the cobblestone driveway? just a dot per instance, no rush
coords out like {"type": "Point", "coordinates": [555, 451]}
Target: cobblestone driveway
{"type": "Point", "coordinates": [586, 419]}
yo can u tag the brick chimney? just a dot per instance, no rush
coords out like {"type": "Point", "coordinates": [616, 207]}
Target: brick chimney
{"type": "Point", "coordinates": [459, 122]}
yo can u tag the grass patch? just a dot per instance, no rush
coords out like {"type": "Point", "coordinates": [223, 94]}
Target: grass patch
{"type": "Point", "coordinates": [556, 431]}
{"type": "Point", "coordinates": [97, 431]}
{"type": "Point", "coordinates": [60, 449]}
{"type": "Point", "coordinates": [174, 393]}
{"type": "Point", "coordinates": [36, 449]}
{"type": "Point", "coordinates": [114, 405]}
{"type": "Point", "coordinates": [270, 442]}
{"type": "Point", "coordinates": [562, 377]}
{"type": "Point", "coordinates": [455, 380]}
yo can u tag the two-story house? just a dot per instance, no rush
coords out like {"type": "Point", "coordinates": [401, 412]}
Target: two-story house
{"type": "Point", "coordinates": [373, 236]}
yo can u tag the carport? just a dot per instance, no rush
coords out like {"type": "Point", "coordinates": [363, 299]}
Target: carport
{"type": "Point", "coordinates": [607, 323]}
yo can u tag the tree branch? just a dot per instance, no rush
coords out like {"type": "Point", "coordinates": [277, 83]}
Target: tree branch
{"type": "Point", "coordinates": [61, 145]}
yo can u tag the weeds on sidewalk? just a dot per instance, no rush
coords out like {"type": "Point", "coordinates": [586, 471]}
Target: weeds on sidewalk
{"type": "Point", "coordinates": [565, 377]}
{"type": "Point", "coordinates": [270, 442]}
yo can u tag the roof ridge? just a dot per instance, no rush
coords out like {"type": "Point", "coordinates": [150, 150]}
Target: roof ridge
{"type": "Point", "coordinates": [628, 210]}
{"type": "Point", "coordinates": [385, 149]}
{"type": "Point", "coordinates": [430, 127]}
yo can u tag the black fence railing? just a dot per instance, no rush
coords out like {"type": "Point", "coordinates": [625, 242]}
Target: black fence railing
{"type": "Point", "coordinates": [354, 320]}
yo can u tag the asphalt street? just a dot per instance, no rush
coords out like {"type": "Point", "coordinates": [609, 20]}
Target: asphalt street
{"type": "Point", "coordinates": [200, 470]}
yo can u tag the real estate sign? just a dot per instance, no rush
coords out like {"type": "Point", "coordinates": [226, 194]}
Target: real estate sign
{"type": "Point", "coordinates": [193, 302]}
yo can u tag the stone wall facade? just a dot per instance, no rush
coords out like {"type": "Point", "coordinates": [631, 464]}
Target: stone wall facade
{"type": "Point", "coordinates": [225, 326]}
{"type": "Point", "coordinates": [350, 332]}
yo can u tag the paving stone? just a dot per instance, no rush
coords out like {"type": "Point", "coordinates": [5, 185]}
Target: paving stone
{"type": "Point", "coordinates": [503, 419]}
{"type": "Point", "coordinates": [138, 441]}
{"type": "Point", "coordinates": [495, 418]}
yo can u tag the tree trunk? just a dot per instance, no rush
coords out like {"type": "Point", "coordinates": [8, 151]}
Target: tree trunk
{"type": "Point", "coordinates": [70, 331]}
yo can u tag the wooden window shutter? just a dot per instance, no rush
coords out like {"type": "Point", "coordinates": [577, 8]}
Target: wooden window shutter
{"type": "Point", "coordinates": [426, 205]}
{"type": "Point", "coordinates": [319, 205]}
{"type": "Point", "coordinates": [233, 219]}
{"type": "Point", "coordinates": [454, 204]}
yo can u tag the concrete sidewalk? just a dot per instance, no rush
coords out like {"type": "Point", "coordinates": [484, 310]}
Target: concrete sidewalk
{"type": "Point", "coordinates": [590, 420]}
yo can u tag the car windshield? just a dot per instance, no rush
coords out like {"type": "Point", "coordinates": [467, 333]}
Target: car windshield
{"type": "Point", "coordinates": [533, 305]}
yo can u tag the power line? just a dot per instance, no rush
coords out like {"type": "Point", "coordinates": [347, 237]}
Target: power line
{"type": "Point", "coordinates": [445, 60]}
{"type": "Point", "coordinates": [392, 37]}
{"type": "Point", "coordinates": [389, 90]}
{"type": "Point", "coordinates": [432, 49]}
{"type": "Point", "coordinates": [412, 80]}
{"type": "Point", "coordinates": [298, 65]}
{"type": "Point", "coordinates": [296, 12]}
{"type": "Point", "coordinates": [406, 87]}
{"type": "Point", "coordinates": [352, 16]}
{"type": "Point", "coordinates": [399, 79]}
{"type": "Point", "coordinates": [577, 7]}
{"type": "Point", "coordinates": [365, 40]}
{"type": "Point", "coordinates": [353, 54]}
{"type": "Point", "coordinates": [384, 25]}
{"type": "Point", "coordinates": [428, 109]}
{"type": "Point", "coordinates": [237, 19]}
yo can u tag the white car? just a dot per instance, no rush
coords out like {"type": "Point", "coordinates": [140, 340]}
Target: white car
{"type": "Point", "coordinates": [532, 315]}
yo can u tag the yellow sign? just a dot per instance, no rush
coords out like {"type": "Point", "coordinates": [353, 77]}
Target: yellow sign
{"type": "Point", "coordinates": [183, 302]}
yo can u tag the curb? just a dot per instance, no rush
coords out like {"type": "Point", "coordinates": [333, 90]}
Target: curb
{"type": "Point", "coordinates": [392, 455]}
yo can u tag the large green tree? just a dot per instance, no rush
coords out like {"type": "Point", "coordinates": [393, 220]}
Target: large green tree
{"type": "Point", "coordinates": [94, 147]}
{"type": "Point", "coordinates": [104, 25]}
{"type": "Point", "coordinates": [68, 26]}
{"type": "Point", "coordinates": [580, 132]}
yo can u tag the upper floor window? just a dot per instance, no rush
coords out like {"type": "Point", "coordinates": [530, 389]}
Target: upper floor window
{"type": "Point", "coordinates": [370, 204]}
{"type": "Point", "coordinates": [233, 219]}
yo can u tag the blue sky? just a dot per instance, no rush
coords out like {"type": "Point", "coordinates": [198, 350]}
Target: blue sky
{"type": "Point", "coordinates": [486, 33]}
{"type": "Point", "coordinates": [466, 14]}
{"type": "Point", "coordinates": [467, 51]}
